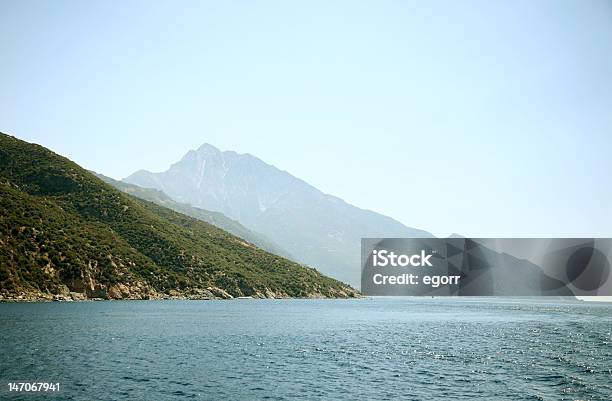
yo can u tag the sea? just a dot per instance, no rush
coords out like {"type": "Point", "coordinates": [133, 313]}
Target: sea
{"type": "Point", "coordinates": [360, 349]}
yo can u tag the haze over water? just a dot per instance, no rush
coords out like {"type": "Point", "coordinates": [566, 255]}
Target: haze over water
{"type": "Point", "coordinates": [335, 349]}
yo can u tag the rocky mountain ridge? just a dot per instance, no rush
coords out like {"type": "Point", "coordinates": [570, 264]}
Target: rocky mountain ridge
{"type": "Point", "coordinates": [316, 228]}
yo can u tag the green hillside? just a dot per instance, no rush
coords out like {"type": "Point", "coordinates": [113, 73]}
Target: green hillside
{"type": "Point", "coordinates": [215, 218]}
{"type": "Point", "coordinates": [65, 232]}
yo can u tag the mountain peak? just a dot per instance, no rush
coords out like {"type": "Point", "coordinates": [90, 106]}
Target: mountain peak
{"type": "Point", "coordinates": [319, 230]}
{"type": "Point", "coordinates": [203, 152]}
{"type": "Point", "coordinates": [208, 149]}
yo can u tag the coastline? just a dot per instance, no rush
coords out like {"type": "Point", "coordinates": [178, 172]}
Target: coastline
{"type": "Point", "coordinates": [217, 295]}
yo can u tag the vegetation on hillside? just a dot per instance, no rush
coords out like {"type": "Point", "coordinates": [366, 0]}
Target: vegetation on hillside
{"type": "Point", "coordinates": [64, 230]}
{"type": "Point", "coordinates": [215, 218]}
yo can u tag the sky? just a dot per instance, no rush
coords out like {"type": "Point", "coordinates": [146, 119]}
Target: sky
{"type": "Point", "coordinates": [484, 118]}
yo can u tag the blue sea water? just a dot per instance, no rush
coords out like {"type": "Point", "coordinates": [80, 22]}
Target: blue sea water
{"type": "Point", "coordinates": [386, 348]}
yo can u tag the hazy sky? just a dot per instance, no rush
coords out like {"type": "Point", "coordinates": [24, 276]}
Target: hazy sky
{"type": "Point", "coordinates": [485, 118]}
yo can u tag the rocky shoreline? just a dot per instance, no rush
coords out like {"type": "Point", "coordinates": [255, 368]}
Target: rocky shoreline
{"type": "Point", "coordinates": [139, 292]}
{"type": "Point", "coordinates": [80, 298]}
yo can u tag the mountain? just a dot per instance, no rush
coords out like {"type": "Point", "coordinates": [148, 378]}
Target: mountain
{"type": "Point", "coordinates": [214, 218]}
{"type": "Point", "coordinates": [65, 233]}
{"type": "Point", "coordinates": [317, 229]}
